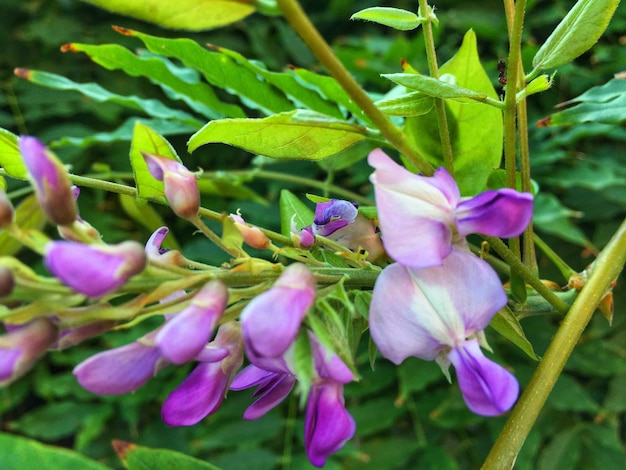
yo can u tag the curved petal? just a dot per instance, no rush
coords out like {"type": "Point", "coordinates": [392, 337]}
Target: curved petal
{"type": "Point", "coordinates": [488, 388]}
{"type": "Point", "coordinates": [272, 391]}
{"type": "Point", "coordinates": [502, 213]}
{"type": "Point", "coordinates": [328, 364]}
{"type": "Point", "coordinates": [199, 395]}
{"type": "Point", "coordinates": [328, 425]}
{"type": "Point", "coordinates": [332, 215]}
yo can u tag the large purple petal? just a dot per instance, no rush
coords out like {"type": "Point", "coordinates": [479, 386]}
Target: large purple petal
{"type": "Point", "coordinates": [271, 320]}
{"type": "Point", "coordinates": [502, 213]}
{"type": "Point", "coordinates": [120, 370]}
{"type": "Point", "coordinates": [488, 388]}
{"type": "Point", "coordinates": [328, 425]}
{"type": "Point", "coordinates": [199, 395]}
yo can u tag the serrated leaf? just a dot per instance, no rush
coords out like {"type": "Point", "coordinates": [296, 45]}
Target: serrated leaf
{"type": "Point", "coordinates": [293, 209]}
{"type": "Point", "coordinates": [576, 33]}
{"type": "Point", "coordinates": [507, 324]}
{"type": "Point", "coordinates": [293, 136]}
{"type": "Point", "coordinates": [10, 157]}
{"type": "Point", "coordinates": [475, 129]}
{"type": "Point", "coordinates": [395, 18]}
{"type": "Point", "coordinates": [147, 140]}
{"type": "Point", "coordinates": [19, 453]}
{"type": "Point", "coordinates": [191, 15]}
{"type": "Point", "coordinates": [604, 104]}
{"type": "Point", "coordinates": [136, 457]}
{"type": "Point", "coordinates": [97, 93]}
{"type": "Point", "coordinates": [159, 70]}
{"type": "Point", "coordinates": [415, 103]}
{"type": "Point", "coordinates": [219, 70]}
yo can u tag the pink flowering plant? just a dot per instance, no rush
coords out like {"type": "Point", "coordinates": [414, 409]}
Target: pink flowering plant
{"type": "Point", "coordinates": [368, 305]}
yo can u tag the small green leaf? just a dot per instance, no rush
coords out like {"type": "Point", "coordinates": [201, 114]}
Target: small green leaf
{"type": "Point", "coordinates": [576, 33]}
{"type": "Point", "coordinates": [296, 135]}
{"type": "Point", "coordinates": [293, 209]}
{"type": "Point", "coordinates": [191, 15]}
{"type": "Point", "coordinates": [435, 87]}
{"type": "Point", "coordinates": [19, 453]}
{"type": "Point", "coordinates": [136, 457]}
{"type": "Point", "coordinates": [147, 140]}
{"type": "Point", "coordinates": [415, 103]}
{"type": "Point", "coordinates": [10, 157]}
{"type": "Point", "coordinates": [395, 18]}
{"type": "Point", "coordinates": [28, 216]}
{"type": "Point", "coordinates": [506, 323]}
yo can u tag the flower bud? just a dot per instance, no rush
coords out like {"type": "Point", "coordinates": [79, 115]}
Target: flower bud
{"type": "Point", "coordinates": [6, 210]}
{"type": "Point", "coordinates": [251, 235]}
{"type": "Point", "coordinates": [22, 346]}
{"type": "Point", "coordinates": [51, 181]}
{"type": "Point", "coordinates": [181, 187]}
{"type": "Point", "coordinates": [163, 255]}
{"type": "Point", "coordinates": [94, 270]}
{"type": "Point", "coordinates": [7, 281]}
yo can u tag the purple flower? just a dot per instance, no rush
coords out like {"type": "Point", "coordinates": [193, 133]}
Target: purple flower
{"type": "Point", "coordinates": [51, 181]}
{"type": "Point", "coordinates": [94, 270]}
{"type": "Point", "coordinates": [180, 184]}
{"type": "Point", "coordinates": [22, 346]}
{"type": "Point", "coordinates": [203, 391]}
{"type": "Point", "coordinates": [121, 370]}
{"type": "Point", "coordinates": [332, 215]}
{"type": "Point", "coordinates": [421, 218]}
{"type": "Point", "coordinates": [439, 313]}
{"type": "Point", "coordinates": [271, 320]}
{"type": "Point", "coordinates": [187, 333]}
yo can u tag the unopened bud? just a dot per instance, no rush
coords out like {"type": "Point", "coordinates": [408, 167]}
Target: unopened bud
{"type": "Point", "coordinates": [6, 210]}
{"type": "Point", "coordinates": [251, 235]}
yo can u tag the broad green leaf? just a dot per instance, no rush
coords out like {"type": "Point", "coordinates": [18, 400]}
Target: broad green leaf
{"type": "Point", "coordinates": [506, 323]}
{"type": "Point", "coordinates": [10, 158]}
{"type": "Point", "coordinates": [191, 15]}
{"type": "Point", "coordinates": [414, 375]}
{"type": "Point", "coordinates": [219, 70]}
{"type": "Point", "coordinates": [147, 140]}
{"type": "Point", "coordinates": [615, 400]}
{"type": "Point", "coordinates": [293, 136]}
{"type": "Point", "coordinates": [153, 108]}
{"type": "Point", "coordinates": [475, 129]}
{"type": "Point", "coordinates": [569, 395]}
{"type": "Point", "coordinates": [395, 18]}
{"type": "Point", "coordinates": [576, 33]}
{"type": "Point", "coordinates": [136, 457]}
{"type": "Point", "coordinates": [125, 132]}
{"type": "Point", "coordinates": [19, 453]}
{"type": "Point", "coordinates": [415, 103]}
{"type": "Point", "coordinates": [28, 216]}
{"type": "Point", "coordinates": [159, 70]}
{"type": "Point", "coordinates": [550, 216]}
{"type": "Point", "coordinates": [436, 88]}
{"type": "Point", "coordinates": [293, 210]}
{"type": "Point", "coordinates": [604, 104]}
{"type": "Point", "coordinates": [563, 450]}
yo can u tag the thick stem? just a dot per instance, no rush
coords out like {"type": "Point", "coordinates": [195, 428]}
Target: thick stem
{"type": "Point", "coordinates": [607, 267]}
{"type": "Point", "coordinates": [299, 21]}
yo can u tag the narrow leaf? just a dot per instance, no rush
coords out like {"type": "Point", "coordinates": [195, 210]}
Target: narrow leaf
{"type": "Point", "coordinates": [192, 15]}
{"type": "Point", "coordinates": [507, 324]}
{"type": "Point", "coordinates": [435, 87]}
{"type": "Point", "coordinates": [576, 33]}
{"type": "Point", "coordinates": [293, 136]}
{"type": "Point", "coordinates": [395, 18]}
{"type": "Point", "coordinates": [293, 209]}
{"type": "Point", "coordinates": [10, 158]}
{"type": "Point", "coordinates": [412, 104]}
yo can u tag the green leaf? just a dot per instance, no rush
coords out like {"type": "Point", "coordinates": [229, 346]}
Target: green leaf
{"type": "Point", "coordinates": [415, 103]}
{"type": "Point", "coordinates": [293, 209]}
{"type": "Point", "coordinates": [192, 15]}
{"type": "Point", "coordinates": [297, 135]}
{"type": "Point", "coordinates": [563, 450]}
{"type": "Point", "coordinates": [19, 453]}
{"type": "Point", "coordinates": [475, 129]}
{"type": "Point", "coordinates": [10, 157]}
{"type": "Point", "coordinates": [95, 92]}
{"type": "Point", "coordinates": [576, 33]}
{"type": "Point", "coordinates": [552, 217]}
{"type": "Point", "coordinates": [604, 104]}
{"type": "Point", "coordinates": [569, 395]}
{"type": "Point", "coordinates": [219, 70]}
{"type": "Point", "coordinates": [28, 216]}
{"type": "Point", "coordinates": [395, 18]}
{"type": "Point", "coordinates": [136, 457]}
{"type": "Point", "coordinates": [507, 324]}
{"type": "Point", "coordinates": [615, 400]}
{"type": "Point", "coordinates": [437, 88]}
{"type": "Point", "coordinates": [159, 70]}
{"type": "Point", "coordinates": [414, 375]}
{"type": "Point", "coordinates": [147, 140]}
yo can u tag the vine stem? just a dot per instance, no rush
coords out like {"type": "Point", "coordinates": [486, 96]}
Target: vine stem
{"type": "Point", "coordinates": [606, 269]}
{"type": "Point", "coordinates": [299, 21]}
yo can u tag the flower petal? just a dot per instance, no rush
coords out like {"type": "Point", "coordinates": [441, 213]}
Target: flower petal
{"type": "Point", "coordinates": [488, 388]}
{"type": "Point", "coordinates": [328, 425]}
{"type": "Point", "coordinates": [502, 213]}
{"type": "Point", "coordinates": [333, 215]}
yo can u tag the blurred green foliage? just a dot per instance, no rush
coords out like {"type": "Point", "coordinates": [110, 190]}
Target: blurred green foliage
{"type": "Point", "coordinates": [407, 417]}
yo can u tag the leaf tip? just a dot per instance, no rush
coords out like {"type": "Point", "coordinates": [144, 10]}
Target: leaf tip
{"type": "Point", "coordinates": [545, 122]}
{"type": "Point", "coordinates": [122, 30]}
{"type": "Point", "coordinates": [122, 448]}
{"type": "Point", "coordinates": [22, 73]}
{"type": "Point", "coordinates": [70, 47]}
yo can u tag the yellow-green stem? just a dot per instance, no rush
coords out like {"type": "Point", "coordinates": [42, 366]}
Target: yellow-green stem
{"type": "Point", "coordinates": [607, 267]}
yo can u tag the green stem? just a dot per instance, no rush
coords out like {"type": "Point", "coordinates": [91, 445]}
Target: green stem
{"type": "Point", "coordinates": [561, 265]}
{"type": "Point", "coordinates": [606, 269]}
{"type": "Point", "coordinates": [440, 105]}
{"type": "Point", "coordinates": [299, 21]}
{"type": "Point", "coordinates": [520, 268]}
